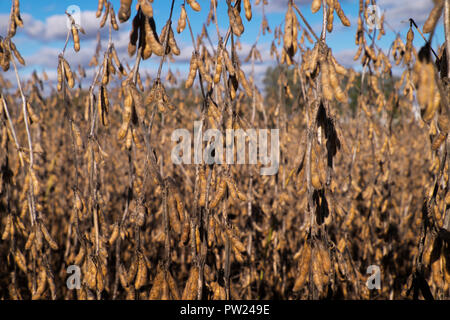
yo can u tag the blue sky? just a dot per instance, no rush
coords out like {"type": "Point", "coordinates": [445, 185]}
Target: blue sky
{"type": "Point", "coordinates": [44, 33]}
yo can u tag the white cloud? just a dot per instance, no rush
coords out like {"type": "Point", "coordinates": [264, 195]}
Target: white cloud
{"type": "Point", "coordinates": [397, 13]}
{"type": "Point", "coordinates": [4, 23]}
{"type": "Point", "coordinates": [279, 6]}
{"type": "Point", "coordinates": [45, 56]}
{"type": "Point", "coordinates": [345, 57]}
{"type": "Point", "coordinates": [55, 27]}
{"type": "Point", "coordinates": [33, 28]}
{"type": "Point", "coordinates": [185, 55]}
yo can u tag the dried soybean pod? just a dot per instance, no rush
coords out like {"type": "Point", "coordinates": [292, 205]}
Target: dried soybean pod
{"type": "Point", "coordinates": [185, 233]}
{"type": "Point", "coordinates": [288, 27]}
{"type": "Point", "coordinates": [131, 295]}
{"type": "Point", "coordinates": [325, 79]}
{"type": "Point", "coordinates": [172, 286]}
{"type": "Point", "coordinates": [443, 123]}
{"type": "Point", "coordinates": [105, 100]}
{"type": "Point", "coordinates": [330, 15]}
{"type": "Point", "coordinates": [438, 140]}
{"type": "Point", "coordinates": [139, 82]}
{"type": "Point", "coordinates": [123, 276]}
{"type": "Point", "coordinates": [129, 139]}
{"type": "Point", "coordinates": [119, 65]}
{"type": "Point", "coordinates": [7, 230]}
{"type": "Point", "coordinates": [141, 276]}
{"type": "Point", "coordinates": [182, 20]}
{"type": "Point", "coordinates": [60, 76]}
{"type": "Point", "coordinates": [235, 193]}
{"type": "Point", "coordinates": [137, 99]}
{"type": "Point", "coordinates": [12, 28]}
{"type": "Point", "coordinates": [198, 241]}
{"type": "Point", "coordinates": [237, 244]}
{"type": "Point", "coordinates": [146, 8]}
{"type": "Point", "coordinates": [317, 271]}
{"type": "Point", "coordinates": [228, 62]}
{"type": "Point", "coordinates": [41, 283]}
{"type": "Point", "coordinates": [100, 8]}
{"type": "Point", "coordinates": [244, 83]}
{"type": "Point", "coordinates": [137, 141]}
{"type": "Point", "coordinates": [78, 202]}
{"type": "Point", "coordinates": [338, 93]}
{"type": "Point", "coordinates": [30, 240]}
{"type": "Point", "coordinates": [79, 257]}
{"type": "Point", "coordinates": [338, 67]}
{"type": "Point", "coordinates": [123, 131]}
{"type": "Point", "coordinates": [105, 76]}
{"type": "Point", "coordinates": [68, 73]}
{"type": "Point", "coordinates": [212, 225]}
{"type": "Point", "coordinates": [18, 20]}
{"type": "Point", "coordinates": [180, 206]}
{"type": "Point", "coordinates": [248, 9]}
{"type": "Point", "coordinates": [127, 107]}
{"type": "Point", "coordinates": [370, 52]}
{"type": "Point", "coordinates": [48, 237]}
{"type": "Point", "coordinates": [133, 269]}
{"type": "Point", "coordinates": [16, 7]}
{"type": "Point", "coordinates": [113, 18]}
{"type": "Point", "coordinates": [190, 290]}
{"type": "Point", "coordinates": [194, 5]}
{"type": "Point", "coordinates": [105, 15]}
{"type": "Point", "coordinates": [151, 37]}
{"type": "Point", "coordinates": [35, 181]}
{"type": "Point", "coordinates": [233, 84]}
{"type": "Point", "coordinates": [114, 234]}
{"type": "Point", "coordinates": [235, 21]}
{"type": "Point", "coordinates": [147, 50]}
{"type": "Point", "coordinates": [174, 219]}
{"type": "Point", "coordinates": [134, 33]}
{"type": "Point", "coordinates": [162, 38]}
{"type": "Point", "coordinates": [101, 107]}
{"type": "Point", "coordinates": [358, 52]}
{"type": "Point", "coordinates": [124, 10]}
{"type": "Point", "coordinates": [31, 114]}
{"type": "Point", "coordinates": [408, 49]}
{"type": "Point", "coordinates": [172, 43]}
{"type": "Point", "coordinates": [220, 192]}
{"type": "Point", "coordinates": [165, 290]}
{"type": "Point", "coordinates": [325, 258]}
{"type": "Point", "coordinates": [219, 66]}
{"type": "Point", "coordinates": [433, 18]}
{"type": "Point", "coordinates": [155, 292]}
{"type": "Point", "coordinates": [202, 199]}
{"type": "Point", "coordinates": [192, 71]}
{"type": "Point", "coordinates": [17, 53]}
{"type": "Point", "coordinates": [315, 5]}
{"type": "Point", "coordinates": [100, 280]}
{"type": "Point", "coordinates": [76, 38]}
{"type": "Point", "coordinates": [91, 274]}
{"type": "Point", "coordinates": [215, 287]}
{"type": "Point", "coordinates": [341, 14]}
{"type": "Point", "coordinates": [203, 72]}
{"type": "Point", "coordinates": [115, 57]}
{"type": "Point", "coordinates": [20, 260]}
{"type": "Point", "coordinates": [238, 255]}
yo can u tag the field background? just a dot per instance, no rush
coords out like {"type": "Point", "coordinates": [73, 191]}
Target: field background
{"type": "Point", "coordinates": [87, 178]}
